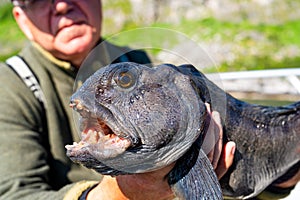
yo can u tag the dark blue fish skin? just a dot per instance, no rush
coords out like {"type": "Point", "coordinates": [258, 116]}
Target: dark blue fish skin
{"type": "Point", "coordinates": [154, 110]}
{"type": "Point", "coordinates": [193, 176]}
{"type": "Point", "coordinates": [267, 138]}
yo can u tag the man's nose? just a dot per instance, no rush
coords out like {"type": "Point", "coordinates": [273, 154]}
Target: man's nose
{"type": "Point", "coordinates": [61, 7]}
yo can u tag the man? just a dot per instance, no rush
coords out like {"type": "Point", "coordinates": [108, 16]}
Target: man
{"type": "Point", "coordinates": [33, 135]}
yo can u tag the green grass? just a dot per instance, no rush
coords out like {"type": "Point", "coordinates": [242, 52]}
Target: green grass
{"type": "Point", "coordinates": [255, 44]}
{"type": "Point", "coordinates": [206, 29]}
{"type": "Point", "coordinates": [259, 63]}
{"type": "Point", "coordinates": [11, 38]}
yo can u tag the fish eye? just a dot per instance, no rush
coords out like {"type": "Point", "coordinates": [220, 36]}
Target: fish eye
{"type": "Point", "coordinates": [125, 78]}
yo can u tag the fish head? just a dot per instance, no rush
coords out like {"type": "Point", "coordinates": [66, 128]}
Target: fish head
{"type": "Point", "coordinates": [135, 118]}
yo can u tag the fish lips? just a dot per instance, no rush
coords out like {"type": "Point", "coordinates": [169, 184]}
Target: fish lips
{"type": "Point", "coordinates": [100, 135]}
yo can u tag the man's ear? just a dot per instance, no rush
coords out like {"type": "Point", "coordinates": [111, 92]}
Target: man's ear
{"type": "Point", "coordinates": [23, 21]}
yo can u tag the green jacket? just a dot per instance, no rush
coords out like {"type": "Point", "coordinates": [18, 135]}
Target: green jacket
{"type": "Point", "coordinates": [33, 158]}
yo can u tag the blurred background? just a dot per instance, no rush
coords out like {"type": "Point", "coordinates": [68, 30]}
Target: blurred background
{"type": "Point", "coordinates": [237, 36]}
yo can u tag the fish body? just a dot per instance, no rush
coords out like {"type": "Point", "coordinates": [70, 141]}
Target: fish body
{"type": "Point", "coordinates": [136, 119]}
{"type": "Point", "coordinates": [267, 139]}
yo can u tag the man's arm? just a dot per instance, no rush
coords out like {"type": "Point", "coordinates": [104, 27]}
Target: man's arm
{"type": "Point", "coordinates": [24, 155]}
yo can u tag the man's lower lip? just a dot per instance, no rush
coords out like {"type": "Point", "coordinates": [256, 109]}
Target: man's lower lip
{"type": "Point", "coordinates": [69, 26]}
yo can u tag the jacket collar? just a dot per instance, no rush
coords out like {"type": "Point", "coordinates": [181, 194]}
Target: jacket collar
{"type": "Point", "coordinates": [63, 64]}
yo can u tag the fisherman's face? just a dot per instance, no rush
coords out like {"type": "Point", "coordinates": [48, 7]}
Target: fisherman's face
{"type": "Point", "coordinates": [68, 29]}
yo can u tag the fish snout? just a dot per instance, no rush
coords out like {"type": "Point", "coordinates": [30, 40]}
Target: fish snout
{"type": "Point", "coordinates": [78, 106]}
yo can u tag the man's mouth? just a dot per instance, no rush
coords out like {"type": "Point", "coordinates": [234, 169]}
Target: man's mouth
{"type": "Point", "coordinates": [69, 24]}
{"type": "Point", "coordinates": [97, 137]}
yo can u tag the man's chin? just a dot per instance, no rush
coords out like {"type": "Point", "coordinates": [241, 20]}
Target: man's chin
{"type": "Point", "coordinates": [78, 41]}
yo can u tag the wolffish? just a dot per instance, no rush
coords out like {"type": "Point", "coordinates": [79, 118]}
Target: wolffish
{"type": "Point", "coordinates": [136, 119]}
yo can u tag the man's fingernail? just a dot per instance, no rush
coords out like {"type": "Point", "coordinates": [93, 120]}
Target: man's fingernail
{"type": "Point", "coordinates": [233, 150]}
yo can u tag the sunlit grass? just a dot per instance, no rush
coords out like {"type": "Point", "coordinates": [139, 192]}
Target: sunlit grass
{"type": "Point", "coordinates": [11, 38]}
{"type": "Point", "coordinates": [255, 46]}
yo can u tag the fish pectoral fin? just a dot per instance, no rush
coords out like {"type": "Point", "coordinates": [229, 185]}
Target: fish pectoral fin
{"type": "Point", "coordinates": [200, 182]}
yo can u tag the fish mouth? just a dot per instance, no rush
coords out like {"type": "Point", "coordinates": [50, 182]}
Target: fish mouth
{"type": "Point", "coordinates": [98, 138]}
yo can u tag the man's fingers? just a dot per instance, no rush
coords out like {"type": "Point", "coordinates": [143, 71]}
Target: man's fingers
{"type": "Point", "coordinates": [218, 132]}
{"type": "Point", "coordinates": [210, 155]}
{"type": "Point", "coordinates": [226, 159]}
{"type": "Point", "coordinates": [221, 159]}
{"type": "Point", "coordinates": [291, 182]}
{"type": "Point", "coordinates": [213, 140]}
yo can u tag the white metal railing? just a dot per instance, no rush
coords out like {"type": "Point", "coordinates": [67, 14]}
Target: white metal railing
{"type": "Point", "coordinates": [290, 74]}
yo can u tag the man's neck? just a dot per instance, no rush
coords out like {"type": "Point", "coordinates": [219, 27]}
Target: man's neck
{"type": "Point", "coordinates": [146, 186]}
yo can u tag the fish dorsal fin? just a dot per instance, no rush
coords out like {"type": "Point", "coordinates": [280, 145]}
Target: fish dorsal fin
{"type": "Point", "coordinates": [200, 183]}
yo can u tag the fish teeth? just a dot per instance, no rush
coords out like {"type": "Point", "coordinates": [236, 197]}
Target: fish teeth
{"type": "Point", "coordinates": [69, 147]}
{"type": "Point", "coordinates": [101, 134]}
{"type": "Point", "coordinates": [79, 106]}
{"type": "Point", "coordinates": [90, 131]}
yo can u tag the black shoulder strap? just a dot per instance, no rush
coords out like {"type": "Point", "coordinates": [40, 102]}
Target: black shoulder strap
{"type": "Point", "coordinates": [25, 73]}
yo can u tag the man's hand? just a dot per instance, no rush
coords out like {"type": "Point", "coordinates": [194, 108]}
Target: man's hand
{"type": "Point", "coordinates": [146, 186]}
{"type": "Point", "coordinates": [225, 160]}
{"type": "Point", "coordinates": [153, 185]}
{"type": "Point", "coordinates": [291, 182]}
{"type": "Point", "coordinates": [220, 156]}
